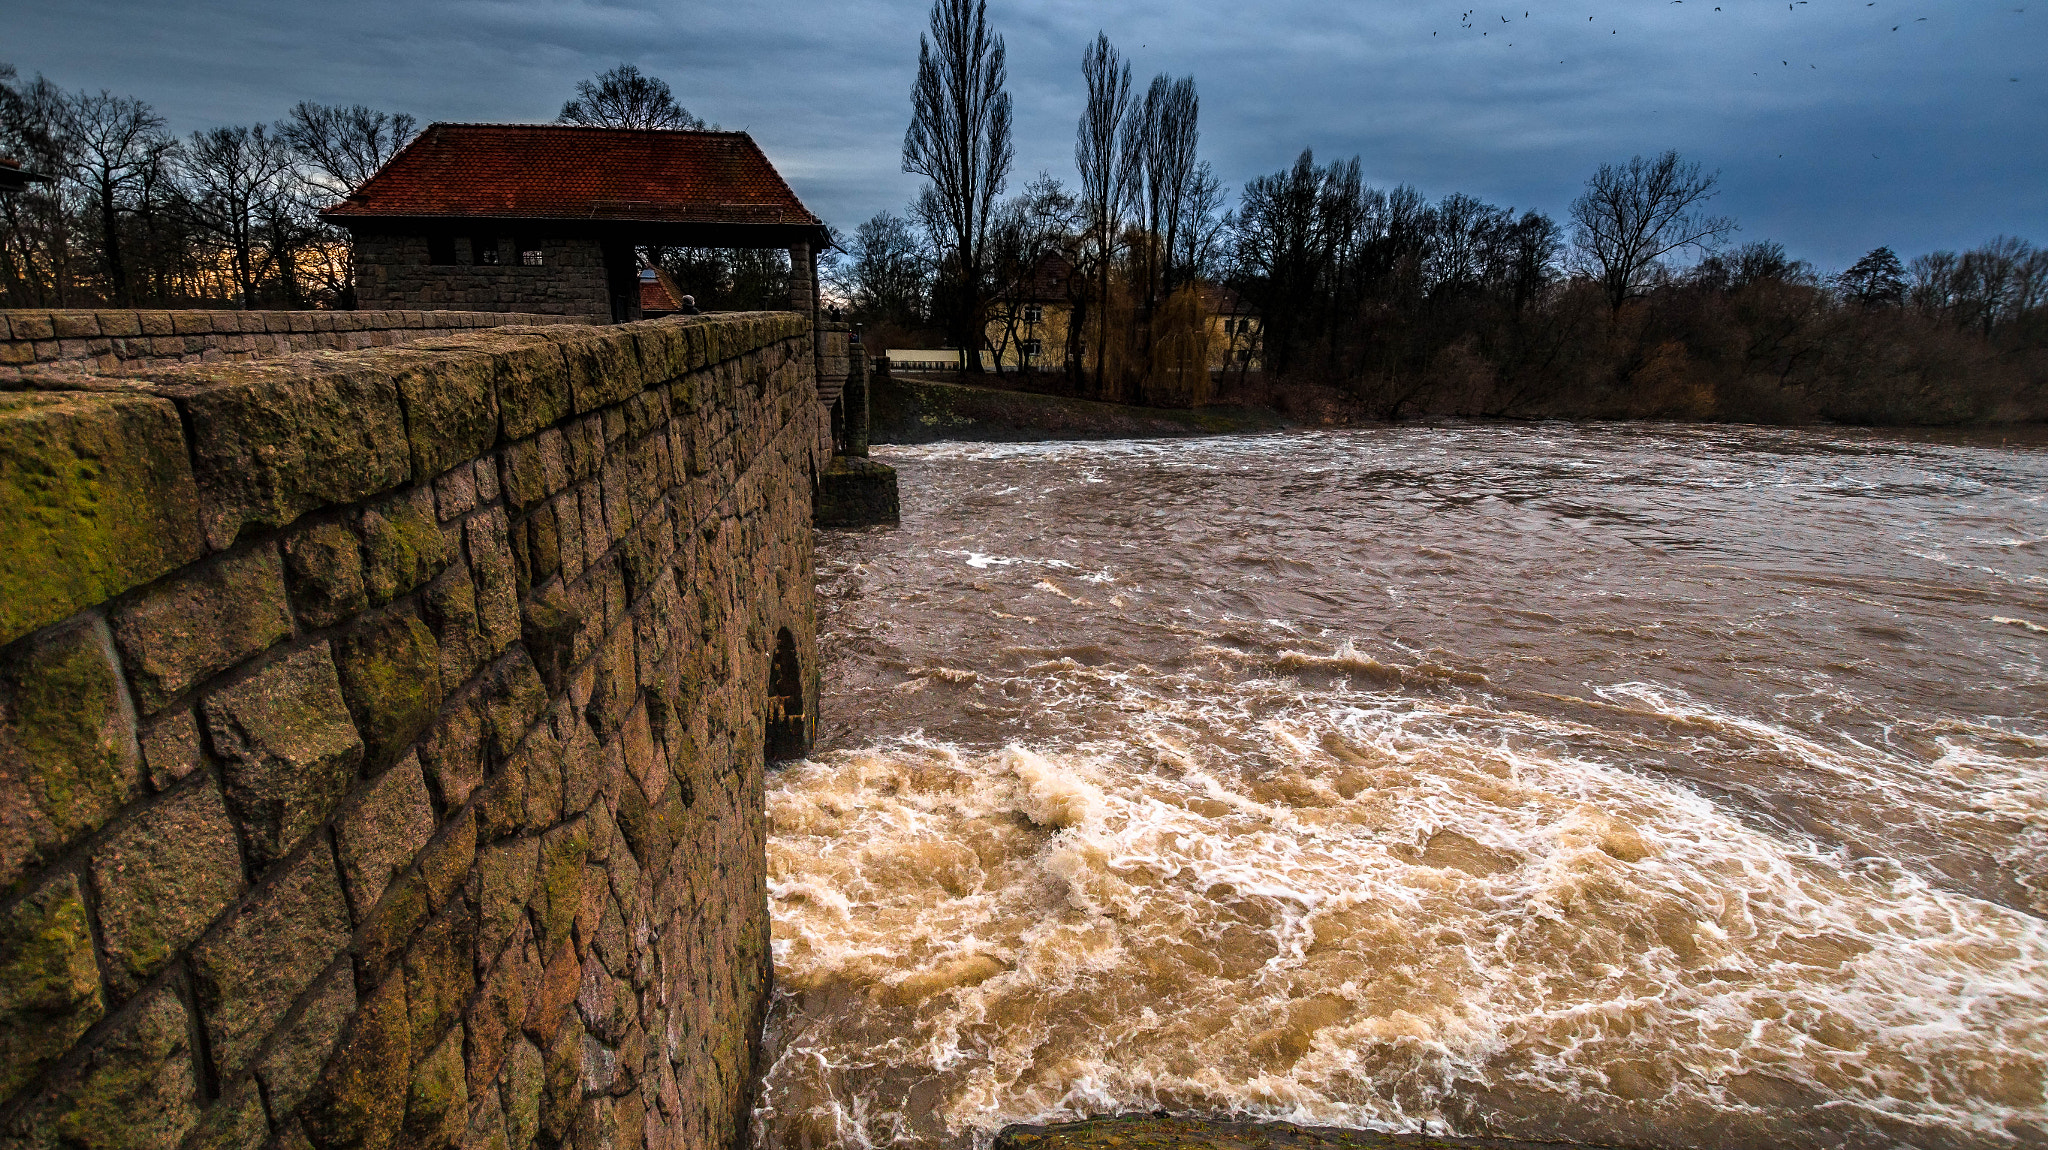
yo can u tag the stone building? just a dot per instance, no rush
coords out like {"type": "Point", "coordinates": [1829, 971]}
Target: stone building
{"type": "Point", "coordinates": [1029, 322]}
{"type": "Point", "coordinates": [545, 218]}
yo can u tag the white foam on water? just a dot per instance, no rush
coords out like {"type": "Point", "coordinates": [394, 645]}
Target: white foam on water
{"type": "Point", "coordinates": [1371, 910]}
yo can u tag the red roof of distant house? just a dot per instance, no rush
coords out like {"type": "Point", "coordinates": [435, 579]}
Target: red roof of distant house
{"type": "Point", "coordinates": [569, 172]}
{"type": "Point", "coordinates": [655, 295]}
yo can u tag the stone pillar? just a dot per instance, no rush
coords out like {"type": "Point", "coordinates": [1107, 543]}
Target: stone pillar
{"type": "Point", "coordinates": [855, 398]}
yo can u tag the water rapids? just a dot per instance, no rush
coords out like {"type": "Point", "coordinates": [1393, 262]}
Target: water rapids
{"type": "Point", "coordinates": [1664, 786]}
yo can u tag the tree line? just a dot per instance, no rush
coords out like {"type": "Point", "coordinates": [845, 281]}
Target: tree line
{"type": "Point", "coordinates": [1379, 303]}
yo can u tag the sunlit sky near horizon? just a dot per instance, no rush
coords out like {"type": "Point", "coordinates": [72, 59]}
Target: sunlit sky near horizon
{"type": "Point", "coordinates": [1836, 125]}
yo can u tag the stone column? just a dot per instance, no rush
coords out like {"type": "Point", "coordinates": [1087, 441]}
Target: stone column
{"type": "Point", "coordinates": [855, 398]}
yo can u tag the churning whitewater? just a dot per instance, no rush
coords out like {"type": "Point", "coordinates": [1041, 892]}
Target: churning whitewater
{"type": "Point", "coordinates": [1664, 786]}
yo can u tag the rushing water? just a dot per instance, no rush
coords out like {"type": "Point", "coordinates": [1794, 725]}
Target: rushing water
{"type": "Point", "coordinates": [1668, 786]}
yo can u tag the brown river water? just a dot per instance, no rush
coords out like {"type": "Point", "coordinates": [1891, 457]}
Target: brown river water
{"type": "Point", "coordinates": [1663, 786]}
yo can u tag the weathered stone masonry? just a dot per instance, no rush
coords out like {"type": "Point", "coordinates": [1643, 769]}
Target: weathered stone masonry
{"type": "Point", "coordinates": [381, 739]}
{"type": "Point", "coordinates": [35, 343]}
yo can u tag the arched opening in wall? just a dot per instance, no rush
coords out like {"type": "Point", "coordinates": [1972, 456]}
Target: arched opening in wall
{"type": "Point", "coordinates": [789, 725]}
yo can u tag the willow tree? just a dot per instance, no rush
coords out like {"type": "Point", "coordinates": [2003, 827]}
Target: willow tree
{"type": "Point", "coordinates": [959, 141]}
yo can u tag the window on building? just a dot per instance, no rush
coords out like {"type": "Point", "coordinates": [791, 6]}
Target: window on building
{"type": "Point", "coordinates": [1031, 348]}
{"type": "Point", "coordinates": [440, 249]}
{"type": "Point", "coordinates": [1033, 315]}
{"type": "Point", "coordinates": [532, 257]}
{"type": "Point", "coordinates": [485, 250]}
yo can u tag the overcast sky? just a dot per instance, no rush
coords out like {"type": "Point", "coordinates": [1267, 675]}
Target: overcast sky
{"type": "Point", "coordinates": [1836, 125]}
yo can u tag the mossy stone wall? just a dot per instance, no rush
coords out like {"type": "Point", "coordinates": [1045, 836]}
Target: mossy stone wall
{"type": "Point", "coordinates": [382, 736]}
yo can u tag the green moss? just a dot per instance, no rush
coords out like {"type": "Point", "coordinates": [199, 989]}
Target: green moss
{"type": "Point", "coordinates": [437, 1102]}
{"type": "Point", "coordinates": [403, 547]}
{"type": "Point", "coordinates": [562, 854]}
{"type": "Point", "coordinates": [98, 496]}
{"type": "Point", "coordinates": [65, 739]}
{"type": "Point", "coordinates": [391, 678]}
{"type": "Point", "coordinates": [49, 984]}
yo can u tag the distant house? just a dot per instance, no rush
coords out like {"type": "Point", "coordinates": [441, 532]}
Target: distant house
{"type": "Point", "coordinates": [1029, 320]}
{"type": "Point", "coordinates": [546, 218]}
{"type": "Point", "coordinates": [659, 295]}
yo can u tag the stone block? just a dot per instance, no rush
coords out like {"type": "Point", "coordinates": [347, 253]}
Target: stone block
{"type": "Point", "coordinates": [288, 750]}
{"type": "Point", "coordinates": [32, 325]}
{"type": "Point", "coordinates": [532, 384]}
{"type": "Point", "coordinates": [403, 547]}
{"type": "Point", "coordinates": [437, 1100]}
{"type": "Point", "coordinates": [161, 878]}
{"type": "Point", "coordinates": [202, 622]}
{"type": "Point", "coordinates": [68, 758]}
{"type": "Point", "coordinates": [502, 885]}
{"type": "Point", "coordinates": [455, 493]}
{"type": "Point", "coordinates": [247, 974]}
{"type": "Point", "coordinates": [383, 937]}
{"type": "Point", "coordinates": [359, 1100]}
{"type": "Point", "coordinates": [857, 493]}
{"type": "Point", "coordinates": [561, 1079]}
{"type": "Point", "coordinates": [288, 1069]}
{"type": "Point", "coordinates": [450, 404]}
{"type": "Point", "coordinates": [524, 1079]}
{"type": "Point", "coordinates": [136, 1091]}
{"type": "Point", "coordinates": [324, 572]}
{"type": "Point", "coordinates": [513, 702]}
{"type": "Point", "coordinates": [440, 973]}
{"type": "Point", "coordinates": [497, 591]}
{"type": "Point", "coordinates": [379, 838]}
{"type": "Point", "coordinates": [98, 495]}
{"type": "Point", "coordinates": [446, 864]}
{"type": "Point", "coordinates": [390, 670]}
{"type": "Point", "coordinates": [49, 982]}
{"type": "Point", "coordinates": [235, 1121]}
{"type": "Point", "coordinates": [448, 606]}
{"type": "Point", "coordinates": [486, 1123]}
{"type": "Point", "coordinates": [170, 749]}
{"type": "Point", "coordinates": [271, 443]}
{"type": "Point", "coordinates": [494, 1020]}
{"type": "Point", "coordinates": [559, 896]}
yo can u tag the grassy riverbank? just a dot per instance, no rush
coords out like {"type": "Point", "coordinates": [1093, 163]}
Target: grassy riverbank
{"type": "Point", "coordinates": [923, 409]}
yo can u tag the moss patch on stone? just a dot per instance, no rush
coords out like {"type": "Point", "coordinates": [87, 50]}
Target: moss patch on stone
{"type": "Point", "coordinates": [67, 753]}
{"type": "Point", "coordinates": [98, 497]}
{"type": "Point", "coordinates": [390, 671]}
{"type": "Point", "coordinates": [49, 983]}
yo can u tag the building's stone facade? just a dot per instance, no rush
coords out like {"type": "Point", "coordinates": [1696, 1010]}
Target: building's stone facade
{"type": "Point", "coordinates": [35, 342]}
{"type": "Point", "coordinates": [382, 738]}
{"type": "Point", "coordinates": [399, 271]}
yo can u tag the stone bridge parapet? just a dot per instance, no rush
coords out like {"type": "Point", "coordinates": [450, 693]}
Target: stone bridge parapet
{"type": "Point", "coordinates": [36, 343]}
{"type": "Point", "coordinates": [382, 737]}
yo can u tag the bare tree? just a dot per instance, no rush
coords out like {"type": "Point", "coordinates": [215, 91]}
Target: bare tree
{"type": "Point", "coordinates": [624, 98]}
{"type": "Point", "coordinates": [1104, 153]}
{"type": "Point", "coordinates": [343, 147]}
{"type": "Point", "coordinates": [35, 127]}
{"type": "Point", "coordinates": [1198, 224]}
{"type": "Point", "coordinates": [116, 139]}
{"type": "Point", "coordinates": [1632, 215]}
{"type": "Point", "coordinates": [1170, 137]}
{"type": "Point", "coordinates": [888, 271]}
{"type": "Point", "coordinates": [235, 189]}
{"type": "Point", "coordinates": [959, 141]}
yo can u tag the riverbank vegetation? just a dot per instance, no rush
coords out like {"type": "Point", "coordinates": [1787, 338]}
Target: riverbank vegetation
{"type": "Point", "coordinates": [1379, 303]}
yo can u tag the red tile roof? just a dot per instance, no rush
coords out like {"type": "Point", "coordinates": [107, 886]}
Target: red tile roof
{"type": "Point", "coordinates": [655, 295]}
{"type": "Point", "coordinates": [568, 172]}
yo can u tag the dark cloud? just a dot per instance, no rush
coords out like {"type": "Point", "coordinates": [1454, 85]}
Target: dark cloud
{"type": "Point", "coordinates": [1833, 133]}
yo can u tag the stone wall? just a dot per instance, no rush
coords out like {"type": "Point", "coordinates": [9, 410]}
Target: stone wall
{"type": "Point", "coordinates": [382, 737]}
{"type": "Point", "coordinates": [36, 343]}
{"type": "Point", "coordinates": [396, 271]}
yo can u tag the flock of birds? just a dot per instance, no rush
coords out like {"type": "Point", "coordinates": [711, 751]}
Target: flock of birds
{"type": "Point", "coordinates": [1465, 21]}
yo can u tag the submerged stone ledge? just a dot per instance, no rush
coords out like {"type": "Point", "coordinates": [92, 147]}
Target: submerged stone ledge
{"type": "Point", "coordinates": [1151, 1132]}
